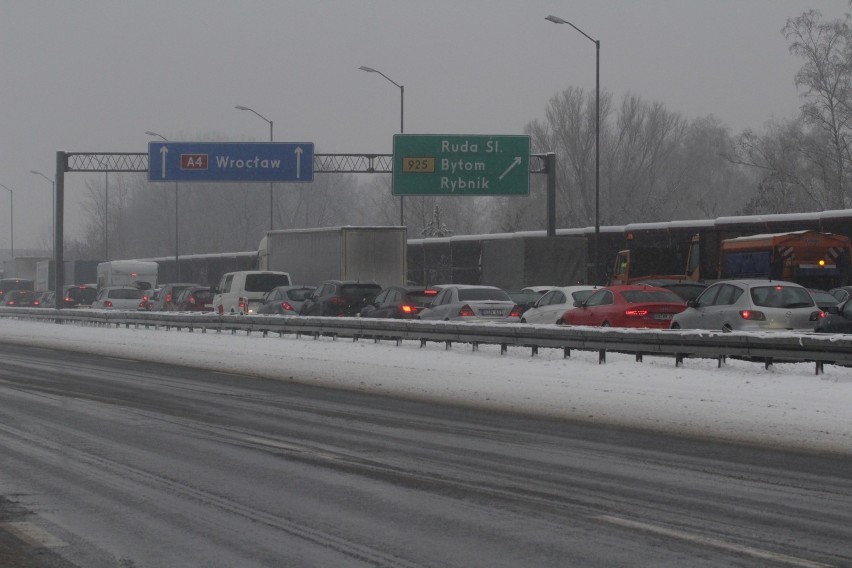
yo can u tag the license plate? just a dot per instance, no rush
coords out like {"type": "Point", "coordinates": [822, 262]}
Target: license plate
{"type": "Point", "coordinates": [491, 312]}
{"type": "Point", "coordinates": [208, 306]}
{"type": "Point", "coordinates": [662, 316]}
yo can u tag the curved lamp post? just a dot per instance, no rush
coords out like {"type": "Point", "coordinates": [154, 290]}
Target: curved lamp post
{"type": "Point", "coordinates": [241, 107]}
{"type": "Point", "coordinates": [558, 20]}
{"type": "Point", "coordinates": [53, 218]}
{"type": "Point", "coordinates": [11, 220]}
{"type": "Point", "coordinates": [177, 262]}
{"type": "Point", "coordinates": [401, 127]}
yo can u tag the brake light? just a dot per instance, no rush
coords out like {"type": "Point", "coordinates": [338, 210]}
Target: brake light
{"type": "Point", "coordinates": [753, 315]}
{"type": "Point", "coordinates": [36, 302]}
{"type": "Point", "coordinates": [143, 304]}
{"type": "Point", "coordinates": [466, 311]}
{"type": "Point", "coordinates": [408, 309]}
{"type": "Point", "coordinates": [338, 301]}
{"type": "Point", "coordinates": [636, 313]}
{"type": "Point", "coordinates": [191, 300]}
{"type": "Point", "coordinates": [823, 315]}
{"type": "Point", "coordinates": [287, 307]}
{"type": "Point", "coordinates": [10, 303]}
{"type": "Point", "coordinates": [516, 312]}
{"type": "Point", "coordinates": [168, 298]}
{"type": "Point", "coordinates": [243, 304]}
{"type": "Point", "coordinates": [107, 304]}
{"type": "Point", "coordinates": [430, 292]}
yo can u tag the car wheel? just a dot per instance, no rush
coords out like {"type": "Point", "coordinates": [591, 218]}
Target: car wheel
{"type": "Point", "coordinates": [560, 321]}
{"type": "Point", "coordinates": [675, 325]}
{"type": "Point", "coordinates": [727, 328]}
{"type": "Point", "coordinates": [605, 324]}
{"type": "Point", "coordinates": [524, 320]}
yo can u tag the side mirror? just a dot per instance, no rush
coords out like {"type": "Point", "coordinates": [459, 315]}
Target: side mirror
{"type": "Point", "coordinates": [578, 304]}
{"type": "Point", "coordinates": [692, 303]}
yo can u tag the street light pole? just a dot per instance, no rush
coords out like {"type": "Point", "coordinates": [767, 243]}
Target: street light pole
{"type": "Point", "coordinates": [53, 218]}
{"type": "Point", "coordinates": [596, 252]}
{"type": "Point", "coordinates": [11, 220]}
{"type": "Point", "coordinates": [401, 127]}
{"type": "Point", "coordinates": [177, 247]}
{"type": "Point", "coordinates": [241, 107]}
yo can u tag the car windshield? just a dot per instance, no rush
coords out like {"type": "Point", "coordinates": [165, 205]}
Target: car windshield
{"type": "Point", "coordinates": [780, 296]}
{"type": "Point", "coordinates": [473, 294]}
{"type": "Point", "coordinates": [265, 282]}
{"type": "Point", "coordinates": [648, 296]}
{"type": "Point", "coordinates": [125, 294]}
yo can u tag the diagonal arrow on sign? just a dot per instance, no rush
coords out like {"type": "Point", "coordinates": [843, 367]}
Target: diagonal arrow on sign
{"type": "Point", "coordinates": [515, 162]}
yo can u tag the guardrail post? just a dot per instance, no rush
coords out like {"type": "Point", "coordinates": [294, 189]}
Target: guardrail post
{"type": "Point", "coordinates": [679, 359]}
{"type": "Point", "coordinates": [601, 356]}
{"type": "Point", "coordinates": [638, 357]}
{"type": "Point", "coordinates": [819, 369]}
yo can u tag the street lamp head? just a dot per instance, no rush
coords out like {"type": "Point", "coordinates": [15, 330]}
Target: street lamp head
{"type": "Point", "coordinates": [556, 20]}
{"type": "Point", "coordinates": [367, 69]}
{"type": "Point", "coordinates": [36, 173]}
{"type": "Point", "coordinates": [241, 107]}
{"type": "Point", "coordinates": [150, 133]}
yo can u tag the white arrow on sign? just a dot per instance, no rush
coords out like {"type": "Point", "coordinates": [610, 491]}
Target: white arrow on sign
{"type": "Point", "coordinates": [298, 152]}
{"type": "Point", "coordinates": [163, 153]}
{"type": "Point", "coordinates": [515, 162]}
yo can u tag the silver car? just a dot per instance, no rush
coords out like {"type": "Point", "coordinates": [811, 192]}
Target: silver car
{"type": "Point", "coordinates": [550, 307]}
{"type": "Point", "coordinates": [750, 305]}
{"type": "Point", "coordinates": [472, 303]}
{"type": "Point", "coordinates": [118, 298]}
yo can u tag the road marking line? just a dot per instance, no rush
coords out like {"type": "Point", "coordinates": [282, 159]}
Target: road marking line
{"type": "Point", "coordinates": [33, 535]}
{"type": "Point", "coordinates": [714, 542]}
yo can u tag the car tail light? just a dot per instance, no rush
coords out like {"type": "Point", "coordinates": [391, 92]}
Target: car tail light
{"type": "Point", "coordinates": [816, 315]}
{"type": "Point", "coordinates": [406, 309]}
{"type": "Point", "coordinates": [466, 311]}
{"type": "Point", "coordinates": [636, 313]}
{"type": "Point", "coordinates": [338, 300]}
{"type": "Point", "coordinates": [752, 315]}
{"type": "Point", "coordinates": [430, 292]}
{"type": "Point", "coordinates": [10, 303]}
{"type": "Point", "coordinates": [243, 304]}
{"type": "Point", "coordinates": [287, 307]}
{"type": "Point", "coordinates": [168, 298]}
{"type": "Point", "coordinates": [191, 300]}
{"type": "Point", "coordinates": [107, 303]}
{"type": "Point", "coordinates": [516, 312]}
{"type": "Point", "coordinates": [823, 315]}
{"type": "Point", "coordinates": [36, 302]}
{"type": "Point", "coordinates": [143, 305]}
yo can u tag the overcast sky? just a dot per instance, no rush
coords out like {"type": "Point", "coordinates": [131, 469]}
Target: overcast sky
{"type": "Point", "coordinates": [93, 76]}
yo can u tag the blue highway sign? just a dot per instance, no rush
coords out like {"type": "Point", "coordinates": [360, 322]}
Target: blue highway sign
{"type": "Point", "coordinates": [231, 161]}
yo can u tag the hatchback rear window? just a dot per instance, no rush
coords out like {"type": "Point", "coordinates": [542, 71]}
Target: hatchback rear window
{"type": "Point", "coordinates": [203, 295]}
{"type": "Point", "coordinates": [649, 296]}
{"type": "Point", "coordinates": [420, 298]}
{"type": "Point", "coordinates": [265, 282]}
{"type": "Point", "coordinates": [473, 294]}
{"type": "Point", "coordinates": [299, 294]}
{"type": "Point", "coordinates": [126, 294]}
{"type": "Point", "coordinates": [779, 296]}
{"type": "Point", "coordinates": [82, 295]}
{"type": "Point", "coordinates": [360, 290]}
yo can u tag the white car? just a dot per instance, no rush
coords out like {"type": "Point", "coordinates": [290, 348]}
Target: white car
{"type": "Point", "coordinates": [242, 292]}
{"type": "Point", "coordinates": [550, 307]}
{"type": "Point", "coordinates": [472, 303]}
{"type": "Point", "coordinates": [118, 298]}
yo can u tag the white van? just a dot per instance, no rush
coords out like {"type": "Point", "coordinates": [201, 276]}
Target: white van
{"type": "Point", "coordinates": [242, 292]}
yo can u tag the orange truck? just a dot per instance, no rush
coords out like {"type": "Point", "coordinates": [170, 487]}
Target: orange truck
{"type": "Point", "coordinates": [810, 258]}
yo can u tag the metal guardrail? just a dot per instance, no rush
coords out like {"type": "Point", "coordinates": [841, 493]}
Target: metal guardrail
{"type": "Point", "coordinates": [766, 348]}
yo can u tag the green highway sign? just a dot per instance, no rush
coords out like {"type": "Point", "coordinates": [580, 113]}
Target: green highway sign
{"type": "Point", "coordinates": [439, 164]}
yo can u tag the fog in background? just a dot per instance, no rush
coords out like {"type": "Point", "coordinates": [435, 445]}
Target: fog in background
{"type": "Point", "coordinates": [94, 76]}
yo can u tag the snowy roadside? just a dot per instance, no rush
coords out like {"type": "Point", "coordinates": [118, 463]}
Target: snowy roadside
{"type": "Point", "coordinates": [787, 406]}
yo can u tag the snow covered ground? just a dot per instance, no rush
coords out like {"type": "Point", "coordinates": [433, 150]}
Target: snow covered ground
{"type": "Point", "coordinates": [786, 406]}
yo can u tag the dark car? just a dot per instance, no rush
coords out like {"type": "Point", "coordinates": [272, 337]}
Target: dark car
{"type": "Point", "coordinates": [399, 302]}
{"type": "Point", "coordinates": [168, 292]}
{"type": "Point", "coordinates": [21, 299]}
{"type": "Point", "coordinates": [9, 284]}
{"type": "Point", "coordinates": [836, 319]}
{"type": "Point", "coordinates": [76, 296]}
{"type": "Point", "coordinates": [193, 299]}
{"type": "Point", "coordinates": [823, 299]}
{"type": "Point", "coordinates": [285, 300]}
{"type": "Point", "coordinates": [340, 298]}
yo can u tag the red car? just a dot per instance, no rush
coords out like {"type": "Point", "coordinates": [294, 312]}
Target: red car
{"type": "Point", "coordinates": [627, 306]}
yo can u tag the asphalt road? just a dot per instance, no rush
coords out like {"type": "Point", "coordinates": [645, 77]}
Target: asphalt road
{"type": "Point", "coordinates": [109, 462]}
